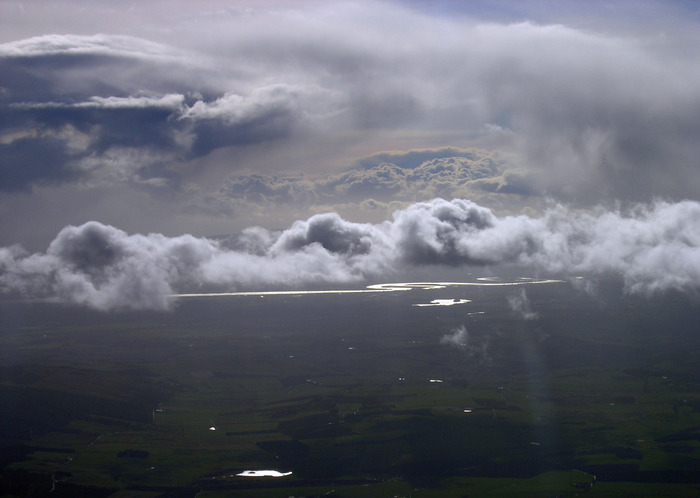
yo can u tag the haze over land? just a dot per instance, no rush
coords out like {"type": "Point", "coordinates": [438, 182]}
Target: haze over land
{"type": "Point", "coordinates": [343, 142]}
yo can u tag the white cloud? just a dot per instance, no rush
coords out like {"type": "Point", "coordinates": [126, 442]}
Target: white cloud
{"type": "Point", "coordinates": [306, 105]}
{"type": "Point", "coordinates": [653, 248]}
{"type": "Point", "coordinates": [171, 101]}
{"type": "Point", "coordinates": [100, 44]}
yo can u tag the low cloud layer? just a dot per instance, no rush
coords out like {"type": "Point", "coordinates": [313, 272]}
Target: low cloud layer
{"type": "Point", "coordinates": [653, 248]}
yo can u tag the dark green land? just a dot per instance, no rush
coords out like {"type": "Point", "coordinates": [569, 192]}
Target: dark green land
{"type": "Point", "coordinates": [336, 389]}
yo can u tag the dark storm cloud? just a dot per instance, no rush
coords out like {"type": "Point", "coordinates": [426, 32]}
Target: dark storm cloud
{"type": "Point", "coordinates": [121, 93]}
{"type": "Point", "coordinates": [592, 115]}
{"type": "Point", "coordinates": [73, 142]}
{"type": "Point", "coordinates": [212, 134]}
{"type": "Point", "coordinates": [653, 248]}
{"type": "Point", "coordinates": [51, 92]}
{"type": "Point", "coordinates": [32, 160]}
{"type": "Point", "coordinates": [124, 92]}
{"type": "Point", "coordinates": [109, 124]}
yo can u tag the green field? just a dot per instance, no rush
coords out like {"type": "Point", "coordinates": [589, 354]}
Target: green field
{"type": "Point", "coordinates": [594, 396]}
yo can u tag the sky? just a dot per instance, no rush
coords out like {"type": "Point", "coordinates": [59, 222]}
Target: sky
{"type": "Point", "coordinates": [149, 148]}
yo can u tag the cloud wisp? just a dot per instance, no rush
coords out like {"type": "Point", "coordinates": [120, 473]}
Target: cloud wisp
{"type": "Point", "coordinates": [479, 349]}
{"type": "Point", "coordinates": [458, 338]}
{"type": "Point", "coordinates": [520, 304]}
{"type": "Point", "coordinates": [653, 248]}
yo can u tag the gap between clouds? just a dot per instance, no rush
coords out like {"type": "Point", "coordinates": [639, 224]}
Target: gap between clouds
{"type": "Point", "coordinates": [654, 248]}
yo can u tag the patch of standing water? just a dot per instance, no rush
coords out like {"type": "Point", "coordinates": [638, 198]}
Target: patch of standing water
{"type": "Point", "coordinates": [263, 473]}
{"type": "Point", "coordinates": [444, 302]}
